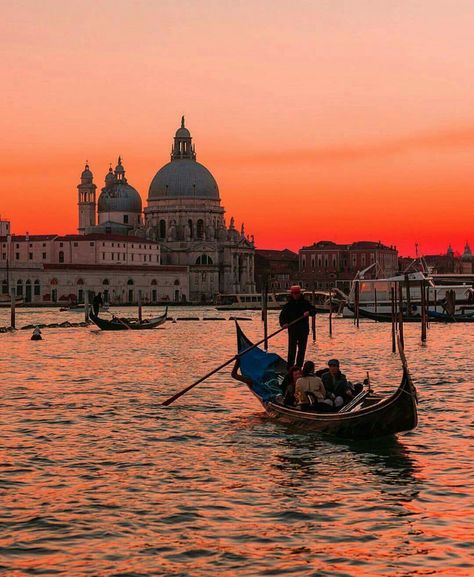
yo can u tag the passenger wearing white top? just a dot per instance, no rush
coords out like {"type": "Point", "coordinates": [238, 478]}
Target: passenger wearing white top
{"type": "Point", "coordinates": [310, 392]}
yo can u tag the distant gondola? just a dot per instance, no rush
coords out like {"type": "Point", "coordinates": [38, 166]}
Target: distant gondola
{"type": "Point", "coordinates": [119, 324]}
{"type": "Point", "coordinates": [433, 316]}
{"type": "Point", "coordinates": [383, 317]}
{"type": "Point", "coordinates": [445, 318]}
{"type": "Point", "coordinates": [375, 416]}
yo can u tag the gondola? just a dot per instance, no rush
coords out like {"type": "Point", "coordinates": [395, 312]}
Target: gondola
{"type": "Point", "coordinates": [374, 417]}
{"type": "Point", "coordinates": [122, 324]}
{"type": "Point", "coordinates": [383, 317]}
{"type": "Point", "coordinates": [456, 318]}
{"type": "Point", "coordinates": [433, 316]}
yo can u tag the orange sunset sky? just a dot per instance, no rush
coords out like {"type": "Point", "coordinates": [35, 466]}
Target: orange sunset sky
{"type": "Point", "coordinates": [320, 119]}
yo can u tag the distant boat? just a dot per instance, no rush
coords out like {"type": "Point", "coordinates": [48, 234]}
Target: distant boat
{"type": "Point", "coordinates": [323, 302]}
{"type": "Point", "coordinates": [123, 324]}
{"type": "Point", "coordinates": [375, 294]}
{"type": "Point", "coordinates": [374, 416]}
{"type": "Point", "coordinates": [80, 308]}
{"type": "Point", "coordinates": [248, 301]}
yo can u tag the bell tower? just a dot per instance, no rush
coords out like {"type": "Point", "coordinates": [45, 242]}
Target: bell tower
{"type": "Point", "coordinates": [86, 200]}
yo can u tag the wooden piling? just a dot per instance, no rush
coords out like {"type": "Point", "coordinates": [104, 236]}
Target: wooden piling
{"type": "Point", "coordinates": [12, 308]}
{"type": "Point", "coordinates": [330, 312]}
{"type": "Point", "coordinates": [407, 285]}
{"type": "Point", "coordinates": [265, 315]}
{"type": "Point", "coordinates": [140, 312]}
{"type": "Point", "coordinates": [400, 315]}
{"type": "Point", "coordinates": [423, 311]}
{"type": "Point", "coordinates": [356, 303]}
{"type": "Point", "coordinates": [394, 320]}
{"type": "Point", "coordinates": [86, 306]}
{"type": "Point", "coordinates": [313, 318]}
{"type": "Point", "coordinates": [375, 299]}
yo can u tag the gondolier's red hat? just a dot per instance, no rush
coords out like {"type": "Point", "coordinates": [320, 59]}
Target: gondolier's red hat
{"type": "Point", "coordinates": [295, 289]}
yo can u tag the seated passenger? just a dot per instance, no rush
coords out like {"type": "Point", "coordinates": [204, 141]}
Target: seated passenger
{"type": "Point", "coordinates": [309, 387]}
{"type": "Point", "coordinates": [337, 384]}
{"type": "Point", "coordinates": [288, 385]}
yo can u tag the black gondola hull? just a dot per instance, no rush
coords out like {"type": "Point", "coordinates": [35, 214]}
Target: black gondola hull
{"type": "Point", "coordinates": [122, 325]}
{"type": "Point", "coordinates": [377, 417]}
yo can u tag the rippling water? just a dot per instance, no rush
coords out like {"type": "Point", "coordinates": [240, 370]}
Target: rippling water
{"type": "Point", "coordinates": [98, 479]}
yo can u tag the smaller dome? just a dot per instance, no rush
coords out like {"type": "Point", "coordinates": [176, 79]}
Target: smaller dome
{"type": "Point", "coordinates": [183, 133]}
{"type": "Point", "coordinates": [109, 177]}
{"type": "Point", "coordinates": [121, 197]}
{"type": "Point", "coordinates": [86, 173]}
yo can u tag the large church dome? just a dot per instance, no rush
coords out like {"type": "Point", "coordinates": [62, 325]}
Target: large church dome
{"type": "Point", "coordinates": [118, 195]}
{"type": "Point", "coordinates": [183, 177]}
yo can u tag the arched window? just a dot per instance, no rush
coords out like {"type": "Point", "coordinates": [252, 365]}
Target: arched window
{"type": "Point", "coordinates": [80, 281]}
{"type": "Point", "coordinates": [37, 288]}
{"type": "Point", "coordinates": [53, 281]}
{"type": "Point", "coordinates": [153, 282]}
{"type": "Point", "coordinates": [61, 256]}
{"type": "Point", "coordinates": [176, 282]}
{"type": "Point", "coordinates": [162, 229]}
{"type": "Point", "coordinates": [200, 228]}
{"type": "Point", "coordinates": [130, 281]}
{"type": "Point", "coordinates": [19, 288]}
{"type": "Point", "coordinates": [190, 224]}
{"type": "Point", "coordinates": [105, 281]}
{"type": "Point", "coordinates": [204, 259]}
{"type": "Point", "coordinates": [4, 287]}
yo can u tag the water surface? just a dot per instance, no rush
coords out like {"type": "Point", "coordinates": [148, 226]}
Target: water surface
{"type": "Point", "coordinates": [98, 479]}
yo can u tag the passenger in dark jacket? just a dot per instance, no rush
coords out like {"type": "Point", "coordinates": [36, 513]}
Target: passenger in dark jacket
{"type": "Point", "coordinates": [336, 382]}
{"type": "Point", "coordinates": [296, 307]}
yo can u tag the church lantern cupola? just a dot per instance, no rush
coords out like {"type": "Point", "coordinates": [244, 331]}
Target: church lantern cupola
{"type": "Point", "coordinates": [183, 147]}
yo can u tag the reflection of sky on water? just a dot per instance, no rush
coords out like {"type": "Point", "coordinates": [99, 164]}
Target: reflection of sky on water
{"type": "Point", "coordinates": [97, 478]}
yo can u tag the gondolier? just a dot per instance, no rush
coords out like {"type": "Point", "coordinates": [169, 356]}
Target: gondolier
{"type": "Point", "coordinates": [298, 333]}
{"type": "Point", "coordinates": [97, 302]}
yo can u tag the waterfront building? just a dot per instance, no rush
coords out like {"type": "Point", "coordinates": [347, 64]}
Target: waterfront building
{"type": "Point", "coordinates": [326, 264]}
{"type": "Point", "coordinates": [277, 268]}
{"type": "Point", "coordinates": [46, 269]}
{"type": "Point", "coordinates": [179, 248]}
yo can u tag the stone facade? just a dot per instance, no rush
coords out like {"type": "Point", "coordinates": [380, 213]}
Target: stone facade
{"type": "Point", "coordinates": [326, 264]}
{"type": "Point", "coordinates": [51, 268]}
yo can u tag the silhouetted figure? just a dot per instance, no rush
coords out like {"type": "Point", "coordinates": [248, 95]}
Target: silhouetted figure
{"type": "Point", "coordinates": [298, 333]}
{"type": "Point", "coordinates": [36, 336]}
{"type": "Point", "coordinates": [97, 302]}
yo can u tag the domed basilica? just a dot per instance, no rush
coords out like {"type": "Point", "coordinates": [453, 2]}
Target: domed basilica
{"type": "Point", "coordinates": [183, 213]}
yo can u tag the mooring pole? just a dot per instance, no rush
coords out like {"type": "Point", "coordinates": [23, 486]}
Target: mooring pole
{"type": "Point", "coordinates": [375, 298]}
{"type": "Point", "coordinates": [394, 320]}
{"type": "Point", "coordinates": [407, 284]}
{"type": "Point", "coordinates": [400, 316]}
{"type": "Point", "coordinates": [86, 305]}
{"type": "Point", "coordinates": [356, 299]}
{"type": "Point", "coordinates": [140, 314]}
{"type": "Point", "coordinates": [265, 315]}
{"type": "Point", "coordinates": [423, 311]}
{"type": "Point", "coordinates": [313, 318]}
{"type": "Point", "coordinates": [330, 312]}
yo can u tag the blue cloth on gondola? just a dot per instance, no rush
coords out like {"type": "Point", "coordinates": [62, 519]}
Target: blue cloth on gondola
{"type": "Point", "coordinates": [261, 368]}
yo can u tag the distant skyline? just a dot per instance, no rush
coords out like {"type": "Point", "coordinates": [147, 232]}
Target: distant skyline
{"type": "Point", "coordinates": [339, 120]}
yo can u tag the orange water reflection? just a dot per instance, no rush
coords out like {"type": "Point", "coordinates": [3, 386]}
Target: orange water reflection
{"type": "Point", "coordinates": [97, 478]}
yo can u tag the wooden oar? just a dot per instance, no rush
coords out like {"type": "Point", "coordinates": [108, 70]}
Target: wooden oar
{"type": "Point", "coordinates": [189, 387]}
